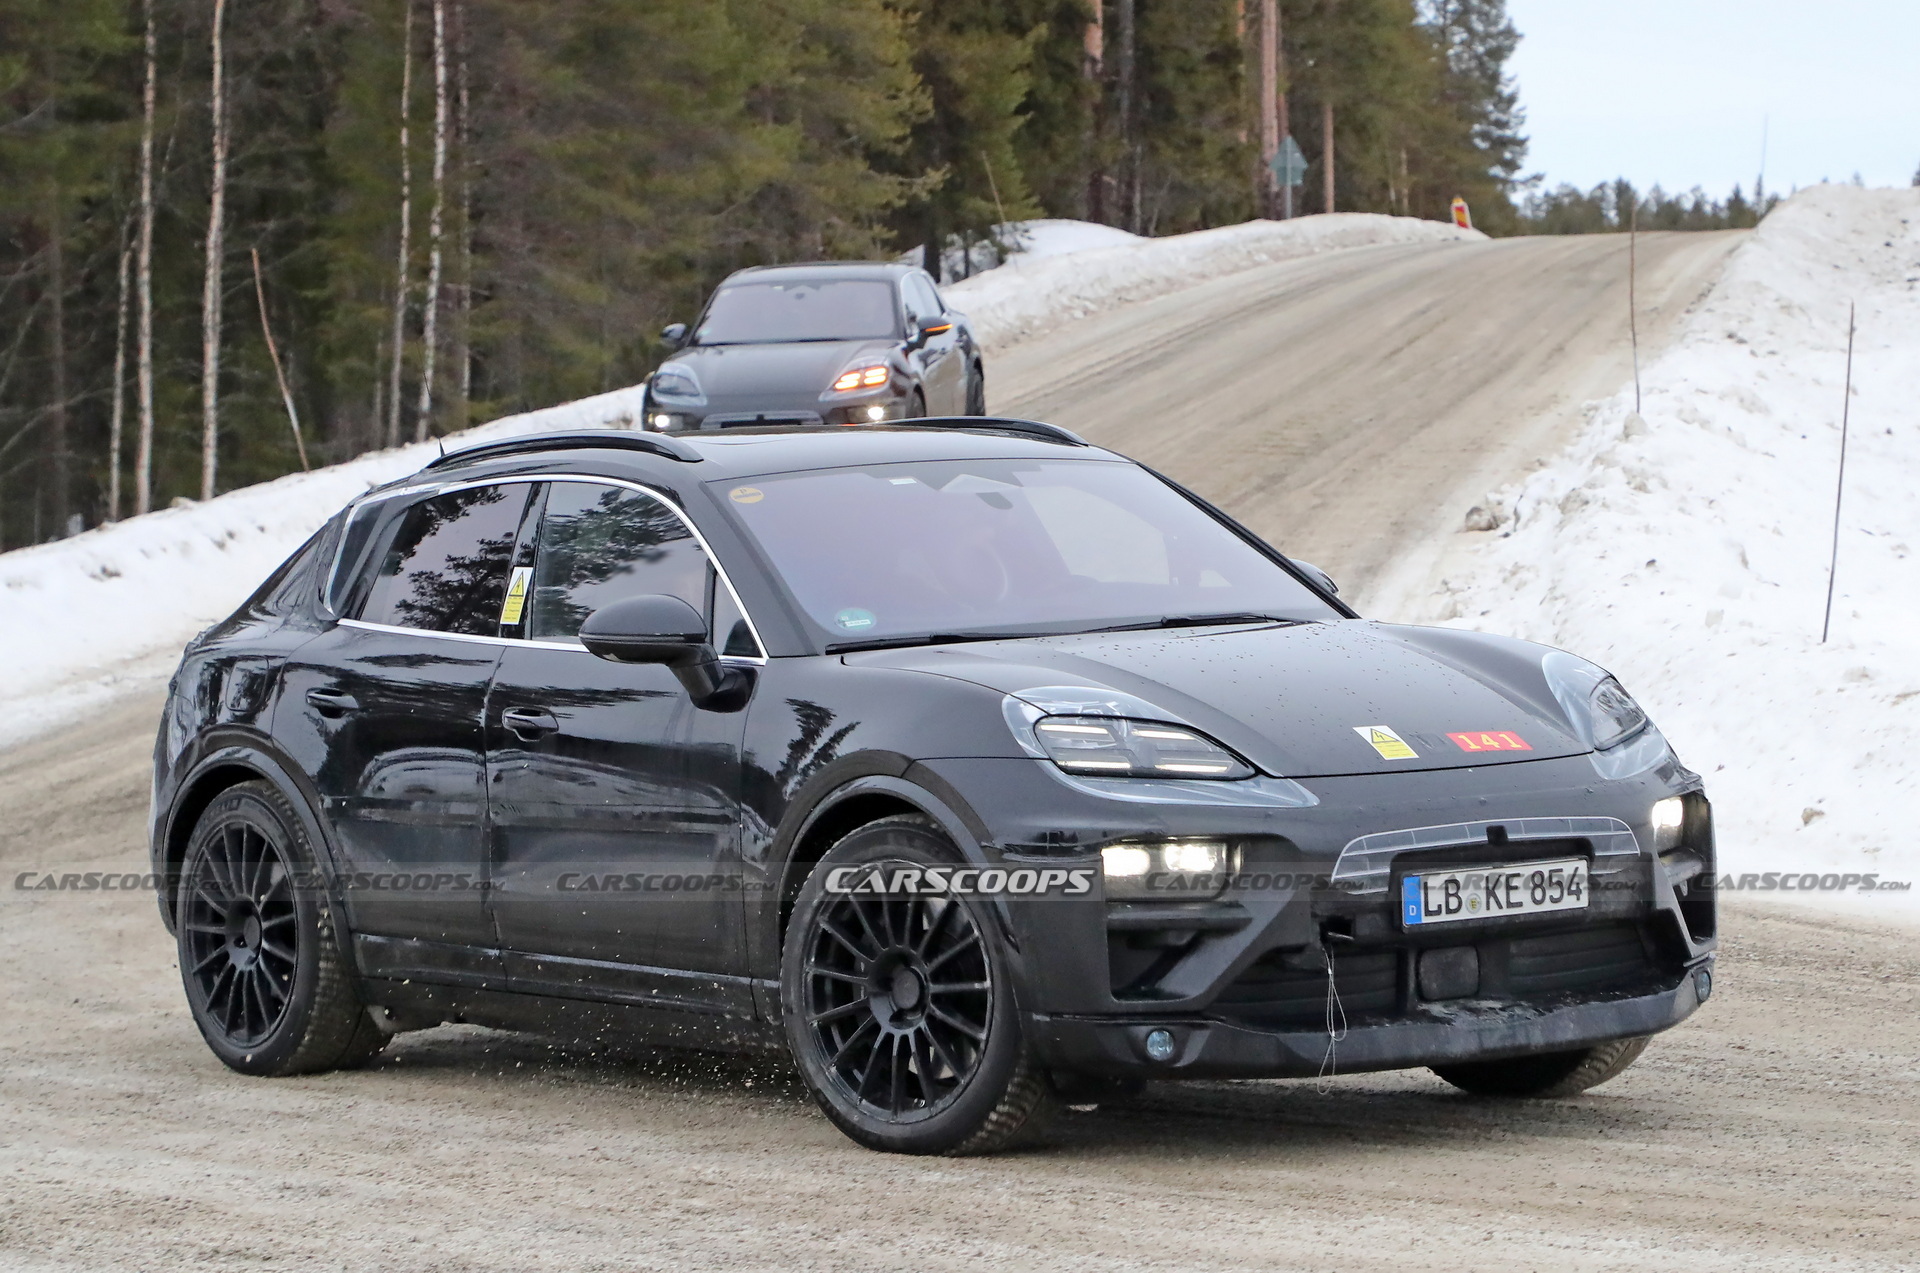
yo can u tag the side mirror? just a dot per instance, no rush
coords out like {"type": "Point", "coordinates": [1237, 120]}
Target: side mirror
{"type": "Point", "coordinates": [1318, 576]}
{"type": "Point", "coordinates": [674, 334]}
{"type": "Point", "coordinates": [926, 329]}
{"type": "Point", "coordinates": [668, 631]}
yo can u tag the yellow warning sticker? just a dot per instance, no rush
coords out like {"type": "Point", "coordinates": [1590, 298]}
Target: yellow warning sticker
{"type": "Point", "coordinates": [1389, 744]}
{"type": "Point", "coordinates": [516, 603]}
{"type": "Point", "coordinates": [746, 495]}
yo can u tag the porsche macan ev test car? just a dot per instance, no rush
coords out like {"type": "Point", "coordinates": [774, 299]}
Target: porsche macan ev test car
{"type": "Point", "coordinates": [979, 768]}
{"type": "Point", "coordinates": [832, 343]}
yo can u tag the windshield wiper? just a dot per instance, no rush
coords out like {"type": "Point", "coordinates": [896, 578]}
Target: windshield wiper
{"type": "Point", "coordinates": [931, 638]}
{"type": "Point", "coordinates": [1194, 621]}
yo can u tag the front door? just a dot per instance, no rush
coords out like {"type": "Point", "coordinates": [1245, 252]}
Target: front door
{"type": "Point", "coordinates": [614, 799]}
{"type": "Point", "coordinates": [943, 367]}
{"type": "Point", "coordinates": [384, 713]}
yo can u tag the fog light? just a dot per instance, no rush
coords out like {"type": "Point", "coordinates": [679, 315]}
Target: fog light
{"type": "Point", "coordinates": [662, 421]}
{"type": "Point", "coordinates": [1179, 871]}
{"type": "Point", "coordinates": [1703, 984]}
{"type": "Point", "coordinates": [1669, 821]}
{"type": "Point", "coordinates": [876, 413]}
{"type": "Point", "coordinates": [1160, 1045]}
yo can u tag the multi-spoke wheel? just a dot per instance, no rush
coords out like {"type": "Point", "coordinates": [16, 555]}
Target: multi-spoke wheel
{"type": "Point", "coordinates": [898, 1007]}
{"type": "Point", "coordinates": [262, 966]}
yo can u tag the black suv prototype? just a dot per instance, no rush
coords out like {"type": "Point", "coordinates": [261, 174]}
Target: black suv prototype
{"type": "Point", "coordinates": [978, 767]}
{"type": "Point", "coordinates": [854, 342]}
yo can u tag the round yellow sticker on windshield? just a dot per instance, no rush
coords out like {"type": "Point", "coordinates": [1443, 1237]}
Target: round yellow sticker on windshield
{"type": "Point", "coordinates": [746, 494]}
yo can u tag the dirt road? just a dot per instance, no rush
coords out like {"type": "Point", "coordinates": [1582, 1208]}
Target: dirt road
{"type": "Point", "coordinates": [1777, 1129]}
{"type": "Point", "coordinates": [1352, 406]}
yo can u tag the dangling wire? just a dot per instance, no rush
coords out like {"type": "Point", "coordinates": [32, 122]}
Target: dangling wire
{"type": "Point", "coordinates": [1329, 1064]}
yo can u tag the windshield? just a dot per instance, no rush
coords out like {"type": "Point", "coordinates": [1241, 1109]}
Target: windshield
{"type": "Point", "coordinates": [1003, 546]}
{"type": "Point", "coordinates": [821, 309]}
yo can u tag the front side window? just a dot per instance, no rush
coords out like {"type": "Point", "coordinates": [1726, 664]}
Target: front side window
{"type": "Point", "coordinates": [824, 309]}
{"type": "Point", "coordinates": [966, 546]}
{"type": "Point", "coordinates": [600, 544]}
{"type": "Point", "coordinates": [445, 569]}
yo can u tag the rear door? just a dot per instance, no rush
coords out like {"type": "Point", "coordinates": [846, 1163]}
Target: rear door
{"type": "Point", "coordinates": [615, 800]}
{"type": "Point", "coordinates": [384, 713]}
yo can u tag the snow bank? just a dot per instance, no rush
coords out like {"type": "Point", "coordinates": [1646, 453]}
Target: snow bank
{"type": "Point", "coordinates": [1065, 275]}
{"type": "Point", "coordinates": [106, 612]}
{"type": "Point", "coordinates": [1686, 548]}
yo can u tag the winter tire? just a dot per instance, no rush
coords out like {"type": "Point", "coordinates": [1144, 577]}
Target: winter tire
{"type": "Point", "coordinates": [977, 391]}
{"type": "Point", "coordinates": [260, 954]}
{"type": "Point", "coordinates": [900, 1010]}
{"type": "Point", "coordinates": [1547, 1075]}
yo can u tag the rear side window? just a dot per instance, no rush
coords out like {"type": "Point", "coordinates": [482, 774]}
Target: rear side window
{"type": "Point", "coordinates": [600, 544]}
{"type": "Point", "coordinates": [445, 569]}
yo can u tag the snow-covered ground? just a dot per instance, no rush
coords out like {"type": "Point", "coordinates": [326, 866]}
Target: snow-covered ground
{"type": "Point", "coordinates": [1686, 548]}
{"type": "Point", "coordinates": [1070, 269]}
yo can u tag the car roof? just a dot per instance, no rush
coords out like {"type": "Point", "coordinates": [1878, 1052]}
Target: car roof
{"type": "Point", "coordinates": [742, 452]}
{"type": "Point", "coordinates": [810, 270]}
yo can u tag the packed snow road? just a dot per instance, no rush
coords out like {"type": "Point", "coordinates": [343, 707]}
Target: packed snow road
{"type": "Point", "coordinates": [1351, 405]}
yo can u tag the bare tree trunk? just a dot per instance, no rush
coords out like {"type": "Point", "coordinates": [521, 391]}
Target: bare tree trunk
{"type": "Point", "coordinates": [273, 352]}
{"type": "Point", "coordinates": [1326, 152]}
{"type": "Point", "coordinates": [1123, 111]}
{"type": "Point", "coordinates": [463, 336]}
{"type": "Point", "coordinates": [117, 423]}
{"type": "Point", "coordinates": [1093, 66]}
{"type": "Point", "coordinates": [431, 305]}
{"type": "Point", "coordinates": [1269, 105]}
{"type": "Point", "coordinates": [210, 295]}
{"type": "Point", "coordinates": [401, 283]}
{"type": "Point", "coordinates": [60, 487]}
{"type": "Point", "coordinates": [143, 456]}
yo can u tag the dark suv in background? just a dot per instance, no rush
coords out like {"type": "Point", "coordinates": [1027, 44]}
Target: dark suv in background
{"type": "Point", "coordinates": [832, 343]}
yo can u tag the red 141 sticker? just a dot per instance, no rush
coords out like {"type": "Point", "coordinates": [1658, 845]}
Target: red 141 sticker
{"type": "Point", "coordinates": [1498, 740]}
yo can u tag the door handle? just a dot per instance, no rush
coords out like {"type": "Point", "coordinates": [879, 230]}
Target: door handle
{"type": "Point", "coordinates": [529, 723]}
{"type": "Point", "coordinates": [332, 703]}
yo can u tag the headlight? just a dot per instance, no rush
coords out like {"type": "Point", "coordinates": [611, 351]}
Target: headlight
{"type": "Point", "coordinates": [869, 377]}
{"type": "Point", "coordinates": [1616, 717]}
{"type": "Point", "coordinates": [677, 383]}
{"type": "Point", "coordinates": [1109, 747]}
{"type": "Point", "coordinates": [1176, 871]}
{"type": "Point", "coordinates": [1669, 823]}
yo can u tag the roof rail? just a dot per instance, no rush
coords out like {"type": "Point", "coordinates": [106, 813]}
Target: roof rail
{"type": "Point", "coordinates": [994, 424]}
{"type": "Point", "coordinates": [612, 439]}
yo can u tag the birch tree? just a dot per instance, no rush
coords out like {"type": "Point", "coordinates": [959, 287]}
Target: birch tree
{"type": "Point", "coordinates": [143, 455]}
{"type": "Point", "coordinates": [210, 296]}
{"type": "Point", "coordinates": [430, 312]}
{"type": "Point", "coordinates": [402, 274]}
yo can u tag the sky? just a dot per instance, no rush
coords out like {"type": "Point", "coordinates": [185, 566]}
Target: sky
{"type": "Point", "coordinates": [1679, 92]}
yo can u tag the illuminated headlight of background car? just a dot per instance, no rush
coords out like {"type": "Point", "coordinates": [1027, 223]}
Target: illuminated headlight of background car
{"type": "Point", "coordinates": [1175, 870]}
{"type": "Point", "coordinates": [1111, 747]}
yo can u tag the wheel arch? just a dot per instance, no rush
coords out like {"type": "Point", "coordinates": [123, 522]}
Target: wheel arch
{"type": "Point", "coordinates": [219, 771]}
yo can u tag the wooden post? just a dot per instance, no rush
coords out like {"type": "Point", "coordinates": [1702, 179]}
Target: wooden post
{"type": "Point", "coordinates": [273, 352]}
{"type": "Point", "coordinates": [1326, 152]}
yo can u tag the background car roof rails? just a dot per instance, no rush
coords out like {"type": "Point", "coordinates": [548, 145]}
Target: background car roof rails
{"type": "Point", "coordinates": [654, 443]}
{"type": "Point", "coordinates": [994, 424]}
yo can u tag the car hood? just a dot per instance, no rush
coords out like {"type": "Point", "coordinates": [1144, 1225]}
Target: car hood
{"type": "Point", "coordinates": [1298, 701]}
{"type": "Point", "coordinates": [801, 370]}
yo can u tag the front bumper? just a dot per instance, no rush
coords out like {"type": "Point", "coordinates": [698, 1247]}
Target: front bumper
{"type": "Point", "coordinates": [1470, 1031]}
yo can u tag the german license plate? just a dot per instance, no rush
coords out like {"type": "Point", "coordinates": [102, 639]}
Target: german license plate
{"type": "Point", "coordinates": [1486, 892]}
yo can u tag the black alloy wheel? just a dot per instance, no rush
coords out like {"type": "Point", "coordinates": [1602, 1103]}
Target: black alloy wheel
{"type": "Point", "coordinates": [899, 1009]}
{"type": "Point", "coordinates": [260, 958]}
{"type": "Point", "coordinates": [899, 999]}
{"type": "Point", "coordinates": [240, 932]}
